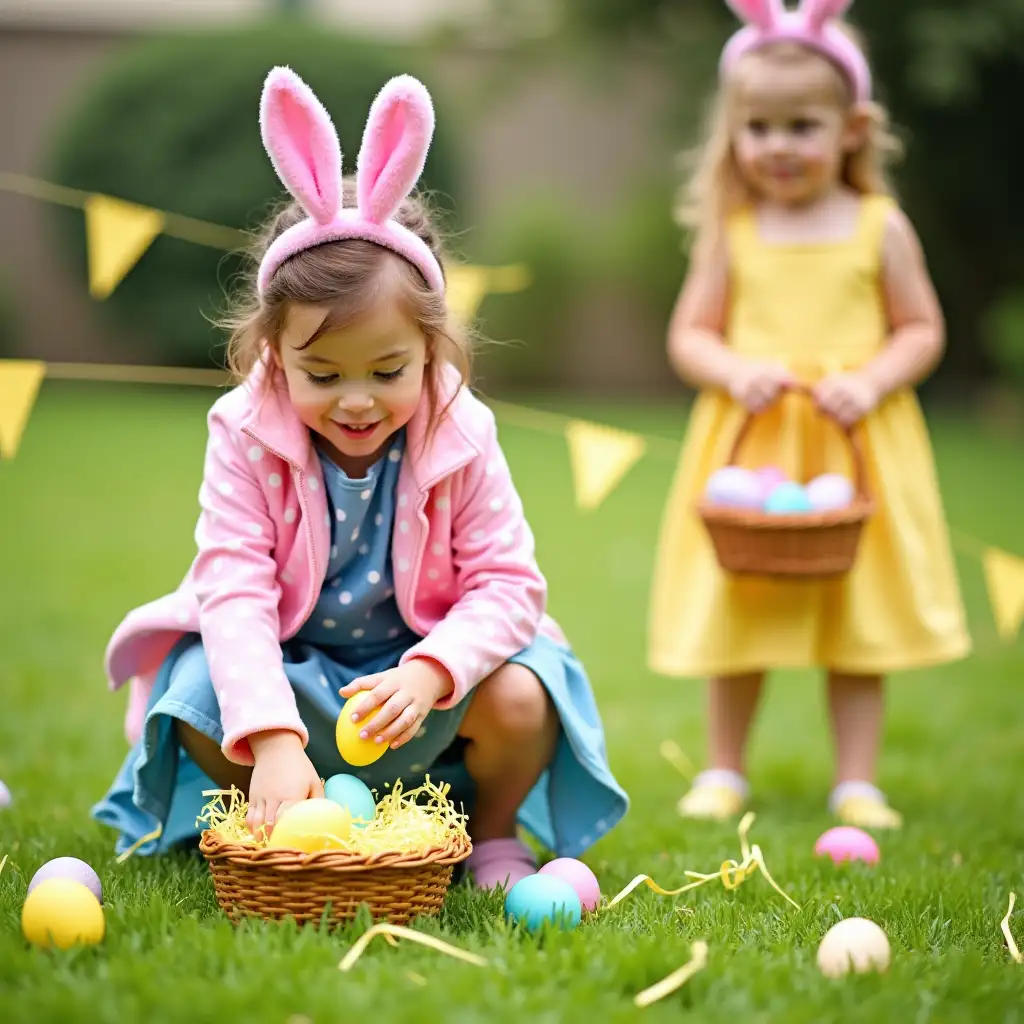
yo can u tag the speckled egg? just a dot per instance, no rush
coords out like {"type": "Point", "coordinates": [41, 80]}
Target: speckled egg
{"type": "Point", "coordinates": [829, 491]}
{"type": "Point", "coordinates": [735, 487]}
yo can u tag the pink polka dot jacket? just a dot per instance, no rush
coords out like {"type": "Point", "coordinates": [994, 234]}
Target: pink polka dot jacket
{"type": "Point", "coordinates": [466, 579]}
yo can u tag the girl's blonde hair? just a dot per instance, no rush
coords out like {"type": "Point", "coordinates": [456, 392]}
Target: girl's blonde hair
{"type": "Point", "coordinates": [716, 188]}
{"type": "Point", "coordinates": [352, 277]}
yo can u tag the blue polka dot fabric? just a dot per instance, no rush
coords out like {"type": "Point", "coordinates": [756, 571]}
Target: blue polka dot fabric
{"type": "Point", "coordinates": [356, 617]}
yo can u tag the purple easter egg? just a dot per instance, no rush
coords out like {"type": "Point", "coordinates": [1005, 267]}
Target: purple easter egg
{"type": "Point", "coordinates": [579, 876]}
{"type": "Point", "coordinates": [829, 491]}
{"type": "Point", "coordinates": [847, 843]}
{"type": "Point", "coordinates": [74, 870]}
{"type": "Point", "coordinates": [734, 486]}
{"type": "Point", "coordinates": [5, 797]}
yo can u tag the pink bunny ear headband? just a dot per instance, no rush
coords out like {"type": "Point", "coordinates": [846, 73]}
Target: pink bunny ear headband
{"type": "Point", "coordinates": [812, 24]}
{"type": "Point", "coordinates": [303, 147]}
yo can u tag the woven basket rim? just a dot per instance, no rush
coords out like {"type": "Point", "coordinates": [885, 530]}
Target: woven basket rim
{"type": "Point", "coordinates": [456, 849]}
{"type": "Point", "coordinates": [752, 519]}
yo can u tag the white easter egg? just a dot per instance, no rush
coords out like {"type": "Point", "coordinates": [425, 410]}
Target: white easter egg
{"type": "Point", "coordinates": [855, 944]}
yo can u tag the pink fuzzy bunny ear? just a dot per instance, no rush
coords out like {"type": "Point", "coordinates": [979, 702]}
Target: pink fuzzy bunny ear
{"type": "Point", "coordinates": [820, 12]}
{"type": "Point", "coordinates": [303, 146]}
{"type": "Point", "coordinates": [398, 131]}
{"type": "Point", "coordinates": [765, 14]}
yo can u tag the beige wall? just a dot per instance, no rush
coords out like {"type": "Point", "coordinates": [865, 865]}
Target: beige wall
{"type": "Point", "coordinates": [550, 129]}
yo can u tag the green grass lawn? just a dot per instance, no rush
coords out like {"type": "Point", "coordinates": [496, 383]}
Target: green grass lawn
{"type": "Point", "coordinates": [96, 516]}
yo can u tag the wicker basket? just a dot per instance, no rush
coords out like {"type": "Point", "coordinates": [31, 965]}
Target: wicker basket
{"type": "Point", "coordinates": [275, 884]}
{"type": "Point", "coordinates": [799, 545]}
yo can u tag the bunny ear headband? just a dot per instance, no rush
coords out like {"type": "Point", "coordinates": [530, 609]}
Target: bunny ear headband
{"type": "Point", "coordinates": [812, 25]}
{"type": "Point", "coordinates": [303, 147]}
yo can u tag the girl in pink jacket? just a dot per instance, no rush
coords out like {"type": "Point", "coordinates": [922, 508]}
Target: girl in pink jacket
{"type": "Point", "coordinates": [359, 531]}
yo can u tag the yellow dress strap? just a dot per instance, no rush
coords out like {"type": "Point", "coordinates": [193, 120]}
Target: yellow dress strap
{"type": "Point", "coordinates": [874, 214]}
{"type": "Point", "coordinates": [741, 231]}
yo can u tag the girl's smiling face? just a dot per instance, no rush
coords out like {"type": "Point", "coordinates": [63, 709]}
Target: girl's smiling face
{"type": "Point", "coordinates": [355, 385]}
{"type": "Point", "coordinates": [791, 132]}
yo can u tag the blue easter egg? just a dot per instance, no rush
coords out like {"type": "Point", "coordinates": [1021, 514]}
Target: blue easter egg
{"type": "Point", "coordinates": [537, 899]}
{"type": "Point", "coordinates": [353, 794]}
{"type": "Point", "coordinates": [787, 498]}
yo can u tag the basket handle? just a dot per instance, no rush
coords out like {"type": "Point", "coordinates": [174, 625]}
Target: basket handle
{"type": "Point", "coordinates": [859, 467]}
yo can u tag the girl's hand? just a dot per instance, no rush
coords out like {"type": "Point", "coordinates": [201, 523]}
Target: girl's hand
{"type": "Point", "coordinates": [283, 775]}
{"type": "Point", "coordinates": [404, 695]}
{"type": "Point", "coordinates": [847, 397]}
{"type": "Point", "coordinates": [756, 385]}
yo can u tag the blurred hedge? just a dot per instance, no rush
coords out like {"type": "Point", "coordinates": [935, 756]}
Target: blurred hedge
{"type": "Point", "coordinates": [173, 123]}
{"type": "Point", "coordinates": [8, 321]}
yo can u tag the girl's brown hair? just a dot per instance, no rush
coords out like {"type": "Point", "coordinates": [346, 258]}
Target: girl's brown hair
{"type": "Point", "coordinates": [351, 277]}
{"type": "Point", "coordinates": [716, 188]}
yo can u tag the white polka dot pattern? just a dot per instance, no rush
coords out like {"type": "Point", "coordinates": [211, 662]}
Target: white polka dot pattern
{"type": "Point", "coordinates": [476, 596]}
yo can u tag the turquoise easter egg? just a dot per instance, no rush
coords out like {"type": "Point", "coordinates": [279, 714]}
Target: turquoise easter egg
{"type": "Point", "coordinates": [538, 899]}
{"type": "Point", "coordinates": [351, 793]}
{"type": "Point", "coordinates": [787, 498]}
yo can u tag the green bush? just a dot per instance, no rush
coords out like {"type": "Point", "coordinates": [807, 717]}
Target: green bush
{"type": "Point", "coordinates": [8, 325]}
{"type": "Point", "coordinates": [529, 329]}
{"type": "Point", "coordinates": [1003, 334]}
{"type": "Point", "coordinates": [172, 124]}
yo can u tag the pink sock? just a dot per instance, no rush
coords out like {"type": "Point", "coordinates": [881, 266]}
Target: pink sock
{"type": "Point", "coordinates": [502, 862]}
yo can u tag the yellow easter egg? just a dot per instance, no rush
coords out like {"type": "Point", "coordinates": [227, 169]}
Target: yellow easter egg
{"type": "Point", "coordinates": [311, 826]}
{"type": "Point", "coordinates": [351, 746]}
{"type": "Point", "coordinates": [62, 913]}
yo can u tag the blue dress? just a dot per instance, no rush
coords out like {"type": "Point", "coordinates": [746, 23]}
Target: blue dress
{"type": "Point", "coordinates": [356, 630]}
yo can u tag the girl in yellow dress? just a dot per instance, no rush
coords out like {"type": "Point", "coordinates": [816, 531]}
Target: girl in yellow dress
{"type": "Point", "coordinates": [804, 270]}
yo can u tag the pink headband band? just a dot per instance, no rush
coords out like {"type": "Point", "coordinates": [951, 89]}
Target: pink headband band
{"type": "Point", "coordinates": [303, 147]}
{"type": "Point", "coordinates": [812, 25]}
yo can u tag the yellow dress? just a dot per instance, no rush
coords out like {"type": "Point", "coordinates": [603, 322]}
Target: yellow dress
{"type": "Point", "coordinates": [818, 308]}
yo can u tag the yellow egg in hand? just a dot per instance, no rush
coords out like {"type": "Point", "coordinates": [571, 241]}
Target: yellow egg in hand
{"type": "Point", "coordinates": [62, 913]}
{"type": "Point", "coordinates": [311, 826]}
{"type": "Point", "coordinates": [351, 746]}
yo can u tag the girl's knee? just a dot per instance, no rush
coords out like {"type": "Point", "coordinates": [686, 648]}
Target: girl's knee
{"type": "Point", "coordinates": [210, 758]}
{"type": "Point", "coordinates": [511, 703]}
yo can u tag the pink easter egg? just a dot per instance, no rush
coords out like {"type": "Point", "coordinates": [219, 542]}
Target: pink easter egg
{"type": "Point", "coordinates": [734, 486]}
{"type": "Point", "coordinates": [830, 491]}
{"type": "Point", "coordinates": [770, 478]}
{"type": "Point", "coordinates": [579, 876]}
{"type": "Point", "coordinates": [5, 797]}
{"type": "Point", "coordinates": [847, 843]}
{"type": "Point", "coordinates": [74, 870]}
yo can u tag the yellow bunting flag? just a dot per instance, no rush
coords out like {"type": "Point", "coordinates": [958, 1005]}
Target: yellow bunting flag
{"type": "Point", "coordinates": [19, 385]}
{"type": "Point", "coordinates": [118, 233]}
{"type": "Point", "coordinates": [601, 456]}
{"type": "Point", "coordinates": [468, 284]}
{"type": "Point", "coordinates": [1004, 574]}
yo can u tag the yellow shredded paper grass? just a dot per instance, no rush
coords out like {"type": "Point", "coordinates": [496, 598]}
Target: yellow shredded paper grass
{"type": "Point", "coordinates": [405, 822]}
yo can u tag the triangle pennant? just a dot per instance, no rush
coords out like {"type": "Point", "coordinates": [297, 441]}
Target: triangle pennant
{"type": "Point", "coordinates": [469, 283]}
{"type": "Point", "coordinates": [600, 456]}
{"type": "Point", "coordinates": [467, 286]}
{"type": "Point", "coordinates": [1004, 574]}
{"type": "Point", "coordinates": [19, 385]}
{"type": "Point", "coordinates": [117, 233]}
